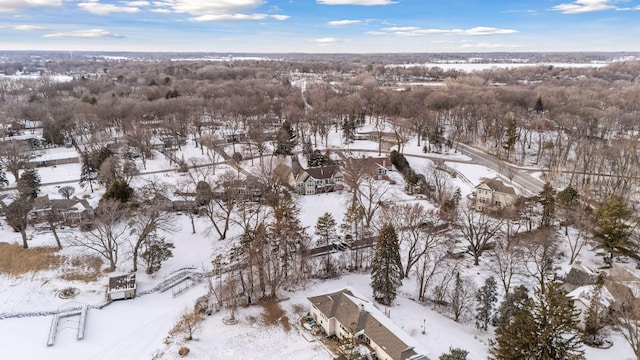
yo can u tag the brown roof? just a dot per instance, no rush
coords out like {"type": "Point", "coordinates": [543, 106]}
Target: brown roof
{"type": "Point", "coordinates": [498, 186]}
{"type": "Point", "coordinates": [323, 172]}
{"type": "Point", "coordinates": [352, 313]}
{"type": "Point", "coordinates": [371, 164]}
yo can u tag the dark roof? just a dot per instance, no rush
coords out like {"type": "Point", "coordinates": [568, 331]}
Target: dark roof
{"type": "Point", "coordinates": [323, 172]}
{"type": "Point", "coordinates": [371, 164]}
{"type": "Point", "coordinates": [498, 186]}
{"type": "Point", "coordinates": [352, 313]}
{"type": "Point", "coordinates": [124, 282]}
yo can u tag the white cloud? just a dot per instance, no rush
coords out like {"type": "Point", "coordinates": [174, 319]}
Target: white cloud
{"type": "Point", "coordinates": [15, 5]}
{"type": "Point", "coordinates": [95, 7]}
{"type": "Point", "coordinates": [218, 10]}
{"type": "Point", "coordinates": [476, 31]}
{"type": "Point", "coordinates": [29, 28]}
{"type": "Point", "coordinates": [344, 22]}
{"type": "Point", "coordinates": [482, 30]}
{"type": "Point", "coordinates": [490, 46]}
{"type": "Point", "coordinates": [400, 28]}
{"type": "Point", "coordinates": [92, 33]}
{"type": "Point", "coordinates": [356, 2]}
{"type": "Point", "coordinates": [584, 6]}
{"type": "Point", "coordinates": [136, 3]}
{"type": "Point", "coordinates": [237, 17]}
{"type": "Point", "coordinates": [327, 40]}
{"type": "Point", "coordinates": [377, 33]}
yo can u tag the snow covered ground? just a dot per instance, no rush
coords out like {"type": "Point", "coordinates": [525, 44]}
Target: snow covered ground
{"type": "Point", "coordinates": [139, 328]}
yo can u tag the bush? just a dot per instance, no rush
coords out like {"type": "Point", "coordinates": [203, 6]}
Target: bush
{"type": "Point", "coordinates": [455, 354]}
{"type": "Point", "coordinates": [183, 351]}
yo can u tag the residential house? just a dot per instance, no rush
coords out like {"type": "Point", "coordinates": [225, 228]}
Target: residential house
{"type": "Point", "coordinates": [284, 175]}
{"type": "Point", "coordinates": [250, 189]}
{"type": "Point", "coordinates": [319, 180]}
{"type": "Point", "coordinates": [376, 167]}
{"type": "Point", "coordinates": [346, 314]}
{"type": "Point", "coordinates": [493, 193]}
{"type": "Point", "coordinates": [582, 298]}
{"type": "Point", "coordinates": [70, 211]}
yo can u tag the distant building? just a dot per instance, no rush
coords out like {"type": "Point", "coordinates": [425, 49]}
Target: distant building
{"type": "Point", "coordinates": [122, 287]}
{"type": "Point", "coordinates": [493, 193]}
{"type": "Point", "coordinates": [346, 314]}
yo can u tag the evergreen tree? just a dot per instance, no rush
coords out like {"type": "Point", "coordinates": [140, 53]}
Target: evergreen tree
{"type": "Point", "coordinates": [88, 172]}
{"type": "Point", "coordinates": [547, 199]}
{"type": "Point", "coordinates": [455, 354]}
{"type": "Point", "coordinates": [595, 315]}
{"type": "Point", "coordinates": [3, 178]}
{"type": "Point", "coordinates": [539, 107]}
{"type": "Point", "coordinates": [386, 269]}
{"type": "Point", "coordinates": [327, 234]}
{"type": "Point", "coordinates": [568, 200]}
{"type": "Point", "coordinates": [119, 190]}
{"type": "Point", "coordinates": [486, 296]}
{"type": "Point", "coordinates": [285, 140]}
{"type": "Point", "coordinates": [556, 320]}
{"type": "Point", "coordinates": [543, 328]}
{"type": "Point", "coordinates": [612, 230]}
{"type": "Point", "coordinates": [511, 135]}
{"type": "Point", "coordinates": [29, 183]}
{"type": "Point", "coordinates": [287, 234]}
{"type": "Point", "coordinates": [156, 253]}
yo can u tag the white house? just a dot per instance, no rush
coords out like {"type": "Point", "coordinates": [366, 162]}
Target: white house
{"type": "Point", "coordinates": [493, 193]}
{"type": "Point", "coordinates": [345, 313]}
{"type": "Point", "coordinates": [319, 180]}
{"type": "Point", "coordinates": [582, 298]}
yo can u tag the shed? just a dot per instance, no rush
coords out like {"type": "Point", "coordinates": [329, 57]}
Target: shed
{"type": "Point", "coordinates": [122, 287]}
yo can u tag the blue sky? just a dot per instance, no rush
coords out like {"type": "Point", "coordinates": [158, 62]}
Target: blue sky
{"type": "Point", "coordinates": [321, 26]}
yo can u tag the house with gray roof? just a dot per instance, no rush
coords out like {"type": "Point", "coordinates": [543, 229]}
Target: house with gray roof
{"type": "Point", "coordinates": [493, 193]}
{"type": "Point", "coordinates": [346, 314]}
{"type": "Point", "coordinates": [318, 180]}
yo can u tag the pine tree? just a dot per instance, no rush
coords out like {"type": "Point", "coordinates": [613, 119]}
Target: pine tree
{"type": "Point", "coordinates": [547, 199]}
{"type": "Point", "coordinates": [88, 171]}
{"type": "Point", "coordinates": [612, 230]}
{"type": "Point", "coordinates": [539, 107]}
{"type": "Point", "coordinates": [386, 269]}
{"type": "Point", "coordinates": [556, 320]}
{"type": "Point", "coordinates": [455, 354]}
{"type": "Point", "coordinates": [29, 183]}
{"type": "Point", "coordinates": [542, 328]}
{"type": "Point", "coordinates": [285, 141]}
{"type": "Point", "coordinates": [3, 178]}
{"type": "Point", "coordinates": [568, 200]}
{"type": "Point", "coordinates": [595, 315]}
{"type": "Point", "coordinates": [486, 296]}
{"type": "Point", "coordinates": [327, 234]}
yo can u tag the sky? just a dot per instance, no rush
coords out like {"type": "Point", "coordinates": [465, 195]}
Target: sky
{"type": "Point", "coordinates": [321, 26]}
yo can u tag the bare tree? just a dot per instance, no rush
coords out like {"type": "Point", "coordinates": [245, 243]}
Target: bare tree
{"type": "Point", "coordinates": [627, 320]}
{"type": "Point", "coordinates": [477, 229]}
{"type": "Point", "coordinates": [108, 233]}
{"type": "Point", "coordinates": [540, 250]}
{"type": "Point", "coordinates": [190, 322]}
{"type": "Point", "coordinates": [144, 226]}
{"type": "Point", "coordinates": [371, 196]}
{"type": "Point", "coordinates": [14, 156]}
{"type": "Point", "coordinates": [17, 214]}
{"type": "Point", "coordinates": [66, 191]}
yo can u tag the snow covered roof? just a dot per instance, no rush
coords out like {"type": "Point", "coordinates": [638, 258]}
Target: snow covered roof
{"type": "Point", "coordinates": [123, 282]}
{"type": "Point", "coordinates": [585, 295]}
{"type": "Point", "coordinates": [497, 186]}
{"type": "Point", "coordinates": [361, 316]}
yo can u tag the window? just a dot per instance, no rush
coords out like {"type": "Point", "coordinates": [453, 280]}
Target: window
{"type": "Point", "coordinates": [497, 203]}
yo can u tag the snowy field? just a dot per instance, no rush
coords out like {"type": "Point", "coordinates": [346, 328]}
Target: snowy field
{"type": "Point", "coordinates": [139, 328]}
